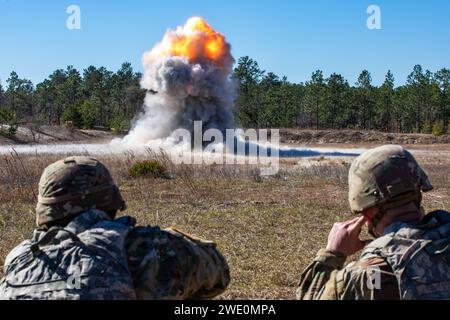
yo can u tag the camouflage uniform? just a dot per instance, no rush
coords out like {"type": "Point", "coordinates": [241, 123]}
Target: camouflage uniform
{"type": "Point", "coordinates": [96, 257]}
{"type": "Point", "coordinates": [170, 264]}
{"type": "Point", "coordinates": [85, 260]}
{"type": "Point", "coordinates": [408, 261]}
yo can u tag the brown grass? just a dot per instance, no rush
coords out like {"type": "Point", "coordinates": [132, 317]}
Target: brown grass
{"type": "Point", "coordinates": [268, 228]}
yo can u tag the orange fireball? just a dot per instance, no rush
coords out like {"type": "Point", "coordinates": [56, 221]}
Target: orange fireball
{"type": "Point", "coordinates": [198, 41]}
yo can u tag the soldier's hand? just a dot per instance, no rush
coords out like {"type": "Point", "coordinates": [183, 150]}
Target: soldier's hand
{"type": "Point", "coordinates": [344, 237]}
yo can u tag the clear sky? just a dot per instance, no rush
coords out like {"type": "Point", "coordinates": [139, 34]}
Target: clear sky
{"type": "Point", "coordinates": [291, 38]}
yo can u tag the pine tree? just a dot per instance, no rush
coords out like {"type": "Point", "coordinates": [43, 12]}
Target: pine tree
{"type": "Point", "coordinates": [385, 103]}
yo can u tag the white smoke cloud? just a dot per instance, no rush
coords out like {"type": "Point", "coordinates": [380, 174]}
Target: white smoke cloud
{"type": "Point", "coordinates": [187, 76]}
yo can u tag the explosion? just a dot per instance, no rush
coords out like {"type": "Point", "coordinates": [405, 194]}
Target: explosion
{"type": "Point", "coordinates": [187, 76]}
{"type": "Point", "coordinates": [197, 41]}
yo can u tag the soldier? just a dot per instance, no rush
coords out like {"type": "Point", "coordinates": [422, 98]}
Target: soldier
{"type": "Point", "coordinates": [80, 251]}
{"type": "Point", "coordinates": [410, 256]}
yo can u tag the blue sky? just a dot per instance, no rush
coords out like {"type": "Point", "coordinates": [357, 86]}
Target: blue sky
{"type": "Point", "coordinates": [291, 38]}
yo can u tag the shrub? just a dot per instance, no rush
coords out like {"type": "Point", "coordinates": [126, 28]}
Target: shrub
{"type": "Point", "coordinates": [426, 129]}
{"type": "Point", "coordinates": [12, 130]}
{"type": "Point", "coordinates": [89, 114]}
{"type": "Point", "coordinates": [118, 124]}
{"type": "Point", "coordinates": [81, 115]}
{"type": "Point", "coordinates": [72, 115]}
{"type": "Point", "coordinates": [438, 129]}
{"type": "Point", "coordinates": [9, 119]}
{"type": "Point", "coordinates": [148, 168]}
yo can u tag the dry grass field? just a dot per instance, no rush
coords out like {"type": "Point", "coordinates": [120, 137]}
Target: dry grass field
{"type": "Point", "coordinates": [268, 228]}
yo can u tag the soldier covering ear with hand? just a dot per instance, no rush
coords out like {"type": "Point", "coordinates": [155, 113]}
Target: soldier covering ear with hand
{"type": "Point", "coordinates": [410, 257]}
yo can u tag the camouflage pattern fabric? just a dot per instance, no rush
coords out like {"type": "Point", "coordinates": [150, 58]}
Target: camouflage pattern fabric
{"type": "Point", "coordinates": [419, 257]}
{"type": "Point", "coordinates": [159, 264]}
{"type": "Point", "coordinates": [74, 185]}
{"type": "Point", "coordinates": [413, 263]}
{"type": "Point", "coordinates": [385, 174]}
{"type": "Point", "coordinates": [326, 279]}
{"type": "Point", "coordinates": [86, 260]}
{"type": "Point", "coordinates": [169, 264]}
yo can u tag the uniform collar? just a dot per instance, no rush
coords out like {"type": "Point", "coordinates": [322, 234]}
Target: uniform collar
{"type": "Point", "coordinates": [86, 220]}
{"type": "Point", "coordinates": [79, 224]}
{"type": "Point", "coordinates": [395, 226]}
{"type": "Point", "coordinates": [398, 225]}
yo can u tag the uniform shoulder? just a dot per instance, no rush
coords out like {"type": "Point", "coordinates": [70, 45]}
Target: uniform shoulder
{"type": "Point", "coordinates": [369, 278]}
{"type": "Point", "coordinates": [367, 264]}
{"type": "Point", "coordinates": [17, 251]}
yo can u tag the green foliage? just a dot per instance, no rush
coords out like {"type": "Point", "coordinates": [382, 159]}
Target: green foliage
{"type": "Point", "coordinates": [313, 102]}
{"type": "Point", "coordinates": [89, 115]}
{"type": "Point", "coordinates": [438, 129]}
{"type": "Point", "coordinates": [9, 119]}
{"type": "Point", "coordinates": [148, 168]}
{"type": "Point", "coordinates": [2, 95]}
{"type": "Point", "coordinates": [331, 103]}
{"type": "Point", "coordinates": [89, 98]}
{"type": "Point", "coordinates": [248, 75]}
{"type": "Point", "coordinates": [384, 109]}
{"type": "Point", "coordinates": [426, 129]}
{"type": "Point", "coordinates": [82, 115]}
{"type": "Point", "coordinates": [19, 95]}
{"type": "Point", "coordinates": [119, 123]}
{"type": "Point", "coordinates": [72, 114]}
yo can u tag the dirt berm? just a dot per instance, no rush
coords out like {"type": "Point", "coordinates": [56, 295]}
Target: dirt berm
{"type": "Point", "coordinates": [53, 134]}
{"type": "Point", "coordinates": [298, 136]}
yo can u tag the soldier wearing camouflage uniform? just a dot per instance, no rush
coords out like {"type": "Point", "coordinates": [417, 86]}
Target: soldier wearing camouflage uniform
{"type": "Point", "coordinates": [410, 257]}
{"type": "Point", "coordinates": [80, 251]}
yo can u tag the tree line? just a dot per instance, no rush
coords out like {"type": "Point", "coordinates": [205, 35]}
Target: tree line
{"type": "Point", "coordinates": [422, 105]}
{"type": "Point", "coordinates": [94, 98]}
{"type": "Point", "coordinates": [97, 97]}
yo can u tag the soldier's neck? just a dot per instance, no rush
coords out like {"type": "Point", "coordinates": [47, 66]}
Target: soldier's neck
{"type": "Point", "coordinates": [408, 213]}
